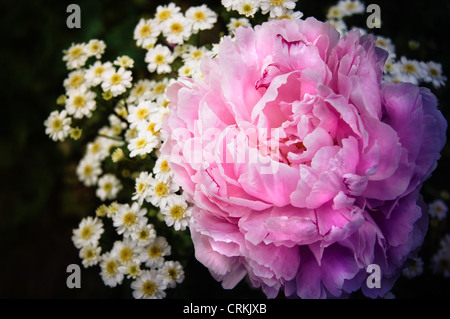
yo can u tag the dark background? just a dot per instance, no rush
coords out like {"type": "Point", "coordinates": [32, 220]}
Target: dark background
{"type": "Point", "coordinates": [41, 200]}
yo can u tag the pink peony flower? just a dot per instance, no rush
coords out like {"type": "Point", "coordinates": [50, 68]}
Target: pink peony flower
{"type": "Point", "coordinates": [303, 167]}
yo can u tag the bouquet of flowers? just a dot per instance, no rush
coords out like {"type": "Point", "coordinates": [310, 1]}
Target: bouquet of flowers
{"type": "Point", "coordinates": [291, 152]}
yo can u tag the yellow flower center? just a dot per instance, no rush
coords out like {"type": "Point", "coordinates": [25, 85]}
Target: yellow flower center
{"type": "Point", "coordinates": [164, 15]}
{"type": "Point", "coordinates": [126, 254]}
{"type": "Point", "coordinates": [76, 52]}
{"type": "Point", "coordinates": [145, 30]}
{"type": "Point", "coordinates": [87, 170]}
{"type": "Point", "coordinates": [86, 232]}
{"type": "Point", "coordinates": [107, 187]}
{"type": "Point", "coordinates": [176, 27]}
{"type": "Point", "coordinates": [434, 72]}
{"type": "Point", "coordinates": [247, 8]}
{"type": "Point", "coordinates": [154, 251]}
{"type": "Point", "coordinates": [165, 166]}
{"type": "Point", "coordinates": [142, 114]}
{"type": "Point", "coordinates": [409, 68]}
{"type": "Point", "coordinates": [129, 219]}
{"type": "Point", "coordinates": [199, 16]}
{"type": "Point", "coordinates": [76, 80]}
{"type": "Point", "coordinates": [159, 59]}
{"type": "Point", "coordinates": [116, 79]}
{"type": "Point", "coordinates": [89, 254]}
{"type": "Point", "coordinates": [141, 143]}
{"type": "Point", "coordinates": [161, 189]}
{"type": "Point", "coordinates": [143, 234]}
{"type": "Point", "coordinates": [140, 90]}
{"type": "Point", "coordinates": [57, 124]}
{"type": "Point", "coordinates": [151, 128]}
{"type": "Point", "coordinates": [111, 267]}
{"type": "Point", "coordinates": [99, 71]}
{"type": "Point", "coordinates": [140, 187]}
{"type": "Point", "coordinates": [96, 147]}
{"type": "Point", "coordinates": [149, 288]}
{"type": "Point", "coordinates": [173, 273]}
{"type": "Point", "coordinates": [79, 101]}
{"type": "Point", "coordinates": [159, 89]}
{"type": "Point", "coordinates": [177, 212]}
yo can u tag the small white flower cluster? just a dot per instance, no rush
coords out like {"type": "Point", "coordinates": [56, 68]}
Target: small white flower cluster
{"type": "Point", "coordinates": [138, 256]}
{"type": "Point", "coordinates": [441, 260]}
{"type": "Point", "coordinates": [164, 36]}
{"type": "Point", "coordinates": [395, 70]}
{"type": "Point", "coordinates": [126, 146]}
{"type": "Point", "coordinates": [277, 9]}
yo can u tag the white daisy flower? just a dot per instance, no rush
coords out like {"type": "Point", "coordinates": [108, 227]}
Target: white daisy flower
{"type": "Point", "coordinates": [152, 124]}
{"type": "Point", "coordinates": [58, 125]}
{"type": "Point", "coordinates": [75, 57]}
{"type": "Point", "coordinates": [165, 12]}
{"type": "Point", "coordinates": [176, 212]}
{"type": "Point", "coordinates": [80, 102]}
{"type": "Point", "coordinates": [75, 79]}
{"type": "Point", "coordinates": [88, 232]}
{"type": "Point", "coordinates": [111, 272]}
{"type": "Point", "coordinates": [438, 209]}
{"type": "Point", "coordinates": [141, 186]}
{"type": "Point", "coordinates": [153, 254]}
{"type": "Point", "coordinates": [88, 170]}
{"type": "Point", "coordinates": [434, 74]}
{"type": "Point", "coordinates": [247, 7]}
{"type": "Point", "coordinates": [236, 23]}
{"type": "Point", "coordinates": [140, 113]}
{"type": "Point", "coordinates": [95, 48]}
{"type": "Point", "coordinates": [140, 91]}
{"type": "Point", "coordinates": [143, 234]}
{"type": "Point", "coordinates": [277, 8]}
{"type": "Point", "coordinates": [162, 169]}
{"type": "Point", "coordinates": [229, 4]}
{"type": "Point", "coordinates": [124, 61]}
{"type": "Point", "coordinates": [177, 29]}
{"type": "Point", "coordinates": [108, 187]}
{"type": "Point", "coordinates": [97, 149]}
{"type": "Point", "coordinates": [159, 88]}
{"type": "Point", "coordinates": [146, 33]}
{"type": "Point", "coordinates": [90, 255]}
{"type": "Point", "coordinates": [125, 251]}
{"type": "Point", "coordinates": [132, 269]}
{"type": "Point", "coordinates": [202, 18]}
{"type": "Point", "coordinates": [143, 144]}
{"type": "Point", "coordinates": [128, 218]}
{"type": "Point", "coordinates": [149, 285]}
{"type": "Point", "coordinates": [159, 59]}
{"type": "Point", "coordinates": [159, 191]}
{"type": "Point", "coordinates": [116, 82]}
{"type": "Point", "coordinates": [173, 273]}
{"type": "Point", "coordinates": [410, 70]}
{"type": "Point", "coordinates": [94, 73]}
{"type": "Point", "coordinates": [351, 7]}
{"type": "Point", "coordinates": [194, 54]}
{"type": "Point", "coordinates": [335, 13]}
